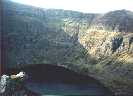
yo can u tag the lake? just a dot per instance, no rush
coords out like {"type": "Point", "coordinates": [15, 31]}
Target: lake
{"type": "Point", "coordinates": [66, 89]}
{"type": "Point", "coordinates": [48, 79]}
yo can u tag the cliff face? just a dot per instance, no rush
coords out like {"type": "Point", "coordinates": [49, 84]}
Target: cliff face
{"type": "Point", "coordinates": [94, 44]}
{"type": "Point", "coordinates": [43, 36]}
{"type": "Point", "coordinates": [102, 43]}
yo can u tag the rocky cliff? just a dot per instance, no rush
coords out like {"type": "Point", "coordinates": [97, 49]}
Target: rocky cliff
{"type": "Point", "coordinates": [100, 45]}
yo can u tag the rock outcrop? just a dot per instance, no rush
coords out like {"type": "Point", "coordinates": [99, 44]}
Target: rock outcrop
{"type": "Point", "coordinates": [10, 86]}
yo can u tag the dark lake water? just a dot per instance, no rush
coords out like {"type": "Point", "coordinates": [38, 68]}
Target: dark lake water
{"type": "Point", "coordinates": [66, 89]}
{"type": "Point", "coordinates": [46, 79]}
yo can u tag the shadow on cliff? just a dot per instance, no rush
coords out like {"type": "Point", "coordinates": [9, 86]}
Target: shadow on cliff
{"type": "Point", "coordinates": [34, 36]}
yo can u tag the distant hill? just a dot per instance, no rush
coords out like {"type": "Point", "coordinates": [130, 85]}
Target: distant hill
{"type": "Point", "coordinates": [120, 20]}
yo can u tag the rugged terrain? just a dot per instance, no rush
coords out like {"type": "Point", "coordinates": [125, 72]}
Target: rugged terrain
{"type": "Point", "coordinates": [99, 45]}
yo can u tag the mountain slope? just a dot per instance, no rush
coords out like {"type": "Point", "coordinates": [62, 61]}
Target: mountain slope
{"type": "Point", "coordinates": [114, 53]}
{"type": "Point", "coordinates": [120, 20]}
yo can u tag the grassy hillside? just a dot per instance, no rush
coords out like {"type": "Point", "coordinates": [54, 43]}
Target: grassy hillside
{"type": "Point", "coordinates": [114, 54]}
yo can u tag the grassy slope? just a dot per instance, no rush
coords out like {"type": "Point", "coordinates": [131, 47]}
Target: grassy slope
{"type": "Point", "coordinates": [114, 68]}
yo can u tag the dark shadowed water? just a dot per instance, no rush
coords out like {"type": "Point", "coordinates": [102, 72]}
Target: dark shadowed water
{"type": "Point", "coordinates": [66, 89]}
{"type": "Point", "coordinates": [45, 79]}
